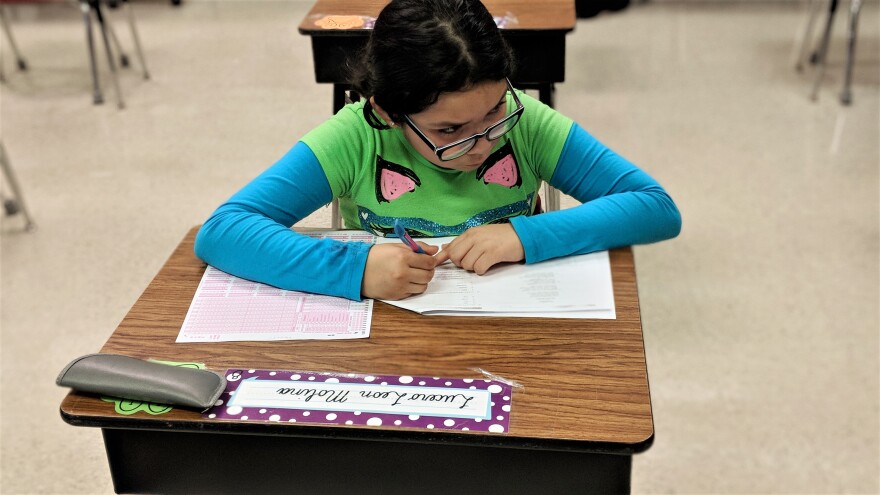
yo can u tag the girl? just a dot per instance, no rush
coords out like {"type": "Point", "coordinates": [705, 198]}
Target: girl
{"type": "Point", "coordinates": [446, 146]}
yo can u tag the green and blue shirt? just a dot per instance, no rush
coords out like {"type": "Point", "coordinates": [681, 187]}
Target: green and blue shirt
{"type": "Point", "coordinates": [379, 179]}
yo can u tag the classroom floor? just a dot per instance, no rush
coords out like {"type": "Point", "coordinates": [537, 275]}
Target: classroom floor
{"type": "Point", "coordinates": [760, 320]}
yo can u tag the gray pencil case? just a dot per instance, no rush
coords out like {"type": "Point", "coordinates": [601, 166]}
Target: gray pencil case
{"type": "Point", "coordinates": [136, 379]}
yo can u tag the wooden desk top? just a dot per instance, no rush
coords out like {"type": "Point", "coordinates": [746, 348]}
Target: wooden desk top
{"type": "Point", "coordinates": [584, 382]}
{"type": "Point", "coordinates": [544, 15]}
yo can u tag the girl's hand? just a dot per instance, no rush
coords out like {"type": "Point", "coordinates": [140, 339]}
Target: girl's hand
{"type": "Point", "coordinates": [395, 272]}
{"type": "Point", "coordinates": [483, 247]}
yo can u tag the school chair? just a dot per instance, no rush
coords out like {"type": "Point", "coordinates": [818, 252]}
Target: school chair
{"type": "Point", "coordinates": [15, 204]}
{"type": "Point", "coordinates": [91, 8]}
{"type": "Point", "coordinates": [820, 55]}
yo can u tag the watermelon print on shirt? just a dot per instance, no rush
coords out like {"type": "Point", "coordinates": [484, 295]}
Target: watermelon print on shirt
{"type": "Point", "coordinates": [393, 180]}
{"type": "Point", "coordinates": [501, 168]}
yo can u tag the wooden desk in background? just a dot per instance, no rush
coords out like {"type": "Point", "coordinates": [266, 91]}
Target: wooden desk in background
{"type": "Point", "coordinates": [535, 30]}
{"type": "Point", "coordinates": [583, 410]}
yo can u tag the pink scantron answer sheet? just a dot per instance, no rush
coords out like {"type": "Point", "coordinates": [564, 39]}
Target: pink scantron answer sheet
{"type": "Point", "coordinates": [227, 308]}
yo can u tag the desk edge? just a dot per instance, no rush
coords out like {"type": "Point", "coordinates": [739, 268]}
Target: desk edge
{"type": "Point", "coordinates": [358, 433]}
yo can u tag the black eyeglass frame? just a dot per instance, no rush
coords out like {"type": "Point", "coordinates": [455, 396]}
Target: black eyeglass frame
{"type": "Point", "coordinates": [439, 151]}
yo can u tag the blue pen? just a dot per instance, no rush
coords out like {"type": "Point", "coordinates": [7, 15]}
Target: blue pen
{"type": "Point", "coordinates": [405, 237]}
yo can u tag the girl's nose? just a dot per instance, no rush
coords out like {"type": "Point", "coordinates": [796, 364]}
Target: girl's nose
{"type": "Point", "coordinates": [482, 146]}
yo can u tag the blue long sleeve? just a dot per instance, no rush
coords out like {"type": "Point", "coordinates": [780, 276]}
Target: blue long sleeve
{"type": "Point", "coordinates": [621, 205]}
{"type": "Point", "coordinates": [249, 235]}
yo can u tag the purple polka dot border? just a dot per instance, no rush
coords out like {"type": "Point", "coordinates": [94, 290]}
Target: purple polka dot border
{"type": "Point", "coordinates": [496, 420]}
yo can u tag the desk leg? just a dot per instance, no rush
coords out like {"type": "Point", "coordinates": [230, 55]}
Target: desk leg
{"type": "Point", "coordinates": [547, 94]}
{"type": "Point", "coordinates": [154, 461]}
{"type": "Point", "coordinates": [338, 97]}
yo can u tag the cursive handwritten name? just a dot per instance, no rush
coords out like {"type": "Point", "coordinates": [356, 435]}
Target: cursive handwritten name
{"type": "Point", "coordinates": [399, 396]}
{"type": "Point", "coordinates": [338, 396]}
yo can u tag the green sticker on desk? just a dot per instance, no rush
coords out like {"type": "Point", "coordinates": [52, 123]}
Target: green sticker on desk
{"type": "Point", "coordinates": [128, 407]}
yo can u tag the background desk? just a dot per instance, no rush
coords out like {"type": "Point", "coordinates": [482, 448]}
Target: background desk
{"type": "Point", "coordinates": [536, 33]}
{"type": "Point", "coordinates": [584, 407]}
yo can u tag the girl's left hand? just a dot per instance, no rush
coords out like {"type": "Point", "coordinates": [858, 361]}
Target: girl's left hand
{"type": "Point", "coordinates": [481, 248]}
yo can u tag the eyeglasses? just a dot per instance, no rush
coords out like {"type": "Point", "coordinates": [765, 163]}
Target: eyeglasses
{"type": "Point", "coordinates": [458, 148]}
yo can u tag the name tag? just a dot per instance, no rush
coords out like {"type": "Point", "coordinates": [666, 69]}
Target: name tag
{"type": "Point", "coordinates": [461, 404]}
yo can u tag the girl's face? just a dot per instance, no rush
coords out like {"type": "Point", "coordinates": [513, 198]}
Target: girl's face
{"type": "Point", "coordinates": [458, 116]}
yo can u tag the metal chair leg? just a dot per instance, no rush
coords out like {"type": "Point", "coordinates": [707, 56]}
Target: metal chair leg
{"type": "Point", "coordinates": [815, 6]}
{"type": "Point", "coordinates": [123, 58]}
{"type": "Point", "coordinates": [96, 8]}
{"type": "Point", "coordinates": [551, 197]}
{"type": "Point", "coordinates": [136, 38]}
{"type": "Point", "coordinates": [335, 216]}
{"type": "Point", "coordinates": [19, 60]}
{"type": "Point", "coordinates": [97, 96]}
{"type": "Point", "coordinates": [16, 204]}
{"type": "Point", "coordinates": [821, 54]}
{"type": "Point", "coordinates": [846, 93]}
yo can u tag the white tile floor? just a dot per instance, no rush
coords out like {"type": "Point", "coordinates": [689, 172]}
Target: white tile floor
{"type": "Point", "coordinates": [761, 319]}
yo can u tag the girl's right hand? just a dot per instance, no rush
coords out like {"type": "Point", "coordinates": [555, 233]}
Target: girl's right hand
{"type": "Point", "coordinates": [395, 272]}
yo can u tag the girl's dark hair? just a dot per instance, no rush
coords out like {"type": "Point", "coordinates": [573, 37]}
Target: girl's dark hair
{"type": "Point", "coordinates": [419, 49]}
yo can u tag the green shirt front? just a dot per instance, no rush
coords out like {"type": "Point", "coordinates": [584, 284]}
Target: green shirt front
{"type": "Point", "coordinates": [379, 178]}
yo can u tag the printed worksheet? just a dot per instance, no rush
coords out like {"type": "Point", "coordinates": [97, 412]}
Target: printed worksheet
{"type": "Point", "coordinates": [227, 308]}
{"type": "Point", "coordinates": [570, 287]}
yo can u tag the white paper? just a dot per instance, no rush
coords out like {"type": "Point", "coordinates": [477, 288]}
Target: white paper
{"type": "Point", "coordinates": [570, 287]}
{"type": "Point", "coordinates": [227, 308]}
